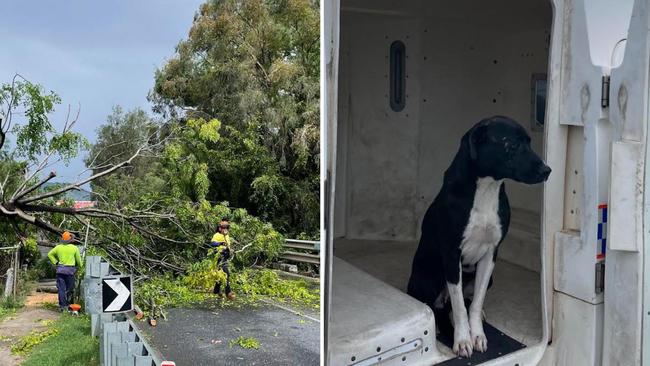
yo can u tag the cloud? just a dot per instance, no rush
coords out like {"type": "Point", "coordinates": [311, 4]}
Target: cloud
{"type": "Point", "coordinates": [96, 54]}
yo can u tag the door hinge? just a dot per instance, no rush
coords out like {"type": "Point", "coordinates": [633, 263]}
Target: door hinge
{"type": "Point", "coordinates": [600, 277]}
{"type": "Point", "coordinates": [604, 90]}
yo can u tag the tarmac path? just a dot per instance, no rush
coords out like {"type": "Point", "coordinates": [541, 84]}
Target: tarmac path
{"type": "Point", "coordinates": [200, 336]}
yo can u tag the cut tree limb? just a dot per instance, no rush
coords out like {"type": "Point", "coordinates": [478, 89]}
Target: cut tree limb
{"type": "Point", "coordinates": [79, 184]}
{"type": "Point", "coordinates": [33, 188]}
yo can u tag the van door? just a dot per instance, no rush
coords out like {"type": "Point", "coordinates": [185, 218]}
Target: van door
{"type": "Point", "coordinates": [626, 282]}
{"type": "Point", "coordinates": [599, 253]}
{"type": "Point", "coordinates": [329, 46]}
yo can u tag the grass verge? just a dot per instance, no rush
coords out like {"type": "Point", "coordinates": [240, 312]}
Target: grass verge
{"type": "Point", "coordinates": [9, 305]}
{"type": "Point", "coordinates": [6, 312]}
{"type": "Point", "coordinates": [70, 344]}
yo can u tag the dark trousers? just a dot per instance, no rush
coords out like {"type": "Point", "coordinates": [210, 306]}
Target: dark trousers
{"type": "Point", "coordinates": [223, 265]}
{"type": "Point", "coordinates": [65, 285]}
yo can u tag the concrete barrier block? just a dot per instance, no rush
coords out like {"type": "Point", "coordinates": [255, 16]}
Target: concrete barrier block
{"type": "Point", "coordinates": [92, 295]}
{"type": "Point", "coordinates": [110, 338]}
{"type": "Point", "coordinates": [94, 325]}
{"type": "Point", "coordinates": [135, 348]}
{"type": "Point", "coordinates": [122, 326]}
{"type": "Point", "coordinates": [143, 361]}
{"type": "Point", "coordinates": [97, 322]}
{"type": "Point", "coordinates": [128, 336]}
{"type": "Point", "coordinates": [103, 341]}
{"type": "Point", "coordinates": [125, 361]}
{"type": "Point", "coordinates": [104, 268]}
{"type": "Point", "coordinates": [92, 266]}
{"type": "Point", "coordinates": [119, 342]}
{"type": "Point", "coordinates": [117, 350]}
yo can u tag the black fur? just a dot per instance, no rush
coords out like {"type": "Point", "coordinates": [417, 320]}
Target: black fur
{"type": "Point", "coordinates": [496, 147]}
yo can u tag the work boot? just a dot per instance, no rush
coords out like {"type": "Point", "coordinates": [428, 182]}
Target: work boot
{"type": "Point", "coordinates": [231, 295]}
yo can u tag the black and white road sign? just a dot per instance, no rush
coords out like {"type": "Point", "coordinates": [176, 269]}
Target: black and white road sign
{"type": "Point", "coordinates": [116, 294]}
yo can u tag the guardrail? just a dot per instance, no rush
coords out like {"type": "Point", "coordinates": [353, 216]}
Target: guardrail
{"type": "Point", "coordinates": [120, 343]}
{"type": "Point", "coordinates": [301, 257]}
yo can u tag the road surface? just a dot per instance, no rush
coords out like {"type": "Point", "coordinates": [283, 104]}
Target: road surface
{"type": "Point", "coordinates": [201, 335]}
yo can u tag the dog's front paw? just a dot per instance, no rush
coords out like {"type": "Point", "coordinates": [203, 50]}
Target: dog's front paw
{"type": "Point", "coordinates": [480, 341]}
{"type": "Point", "coordinates": [463, 345]}
{"type": "Point", "coordinates": [478, 335]}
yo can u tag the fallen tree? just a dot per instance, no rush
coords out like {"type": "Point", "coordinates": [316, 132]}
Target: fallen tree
{"type": "Point", "coordinates": [160, 229]}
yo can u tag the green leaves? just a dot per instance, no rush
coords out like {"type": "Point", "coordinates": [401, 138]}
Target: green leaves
{"type": "Point", "coordinates": [245, 342]}
{"type": "Point", "coordinates": [267, 283]}
{"type": "Point", "coordinates": [26, 343]}
{"type": "Point", "coordinates": [68, 144]}
{"type": "Point", "coordinates": [118, 139]}
{"type": "Point", "coordinates": [26, 106]}
{"type": "Point", "coordinates": [254, 66]}
{"type": "Point", "coordinates": [201, 181]}
{"type": "Point", "coordinates": [208, 131]}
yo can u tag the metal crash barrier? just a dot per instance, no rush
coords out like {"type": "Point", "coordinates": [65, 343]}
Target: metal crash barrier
{"type": "Point", "coordinates": [290, 253]}
{"type": "Point", "coordinates": [108, 297]}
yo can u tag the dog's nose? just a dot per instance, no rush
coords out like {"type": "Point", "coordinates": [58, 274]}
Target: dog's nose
{"type": "Point", "coordinates": [544, 171]}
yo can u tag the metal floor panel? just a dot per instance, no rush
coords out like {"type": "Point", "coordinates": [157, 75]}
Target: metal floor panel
{"type": "Point", "coordinates": [373, 322]}
{"type": "Point", "coordinates": [513, 303]}
{"type": "Point", "coordinates": [499, 344]}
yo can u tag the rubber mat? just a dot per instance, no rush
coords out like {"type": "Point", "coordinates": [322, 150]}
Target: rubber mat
{"type": "Point", "coordinates": [499, 344]}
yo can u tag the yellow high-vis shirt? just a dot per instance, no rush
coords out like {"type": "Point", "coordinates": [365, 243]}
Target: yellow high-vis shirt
{"type": "Point", "coordinates": [65, 254]}
{"type": "Point", "coordinates": [221, 240]}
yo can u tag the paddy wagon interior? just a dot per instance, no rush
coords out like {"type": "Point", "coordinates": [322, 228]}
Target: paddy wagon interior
{"type": "Point", "coordinates": [413, 79]}
{"type": "Point", "coordinates": [410, 78]}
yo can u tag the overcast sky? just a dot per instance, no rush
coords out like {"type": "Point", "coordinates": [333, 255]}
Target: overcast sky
{"type": "Point", "coordinates": [94, 53]}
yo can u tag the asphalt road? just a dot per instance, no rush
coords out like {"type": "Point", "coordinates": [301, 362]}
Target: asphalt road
{"type": "Point", "coordinates": [200, 336]}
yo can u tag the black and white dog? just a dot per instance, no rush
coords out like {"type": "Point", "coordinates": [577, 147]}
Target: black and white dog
{"type": "Point", "coordinates": [465, 224]}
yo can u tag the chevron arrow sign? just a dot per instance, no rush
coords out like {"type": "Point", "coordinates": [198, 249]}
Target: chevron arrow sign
{"type": "Point", "coordinates": [116, 294]}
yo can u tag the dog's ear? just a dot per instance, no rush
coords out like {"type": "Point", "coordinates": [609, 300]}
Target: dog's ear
{"type": "Point", "coordinates": [476, 135]}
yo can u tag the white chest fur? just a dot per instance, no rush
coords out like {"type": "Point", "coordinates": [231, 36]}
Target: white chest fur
{"type": "Point", "coordinates": [483, 230]}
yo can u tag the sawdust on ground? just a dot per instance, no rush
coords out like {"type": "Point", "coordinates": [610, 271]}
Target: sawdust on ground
{"type": "Point", "coordinates": [39, 298]}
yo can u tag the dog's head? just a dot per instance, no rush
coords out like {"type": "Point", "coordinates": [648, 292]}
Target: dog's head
{"type": "Point", "coordinates": [500, 148]}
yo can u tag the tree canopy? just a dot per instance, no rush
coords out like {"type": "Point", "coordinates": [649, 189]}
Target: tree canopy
{"type": "Point", "coordinates": [253, 66]}
{"type": "Point", "coordinates": [235, 134]}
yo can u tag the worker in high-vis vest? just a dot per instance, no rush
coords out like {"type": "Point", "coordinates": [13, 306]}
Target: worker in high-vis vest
{"type": "Point", "coordinates": [221, 241]}
{"type": "Point", "coordinates": [65, 256]}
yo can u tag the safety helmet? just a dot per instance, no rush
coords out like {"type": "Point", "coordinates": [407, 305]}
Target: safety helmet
{"type": "Point", "coordinates": [66, 237]}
